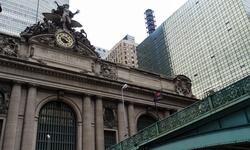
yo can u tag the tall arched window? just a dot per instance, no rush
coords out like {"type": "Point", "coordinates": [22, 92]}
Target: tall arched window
{"type": "Point", "coordinates": [56, 127]}
{"type": "Point", "coordinates": [144, 121]}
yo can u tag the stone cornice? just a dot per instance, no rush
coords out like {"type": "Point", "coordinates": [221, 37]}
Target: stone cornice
{"type": "Point", "coordinates": [67, 74]}
{"type": "Point", "coordinates": [137, 90]}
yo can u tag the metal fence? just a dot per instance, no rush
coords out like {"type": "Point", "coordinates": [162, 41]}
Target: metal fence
{"type": "Point", "coordinates": [220, 100]}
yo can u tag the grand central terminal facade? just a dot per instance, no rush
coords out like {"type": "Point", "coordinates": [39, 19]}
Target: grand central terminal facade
{"type": "Point", "coordinates": [57, 93]}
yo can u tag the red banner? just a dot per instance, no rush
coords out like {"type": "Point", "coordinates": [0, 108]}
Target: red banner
{"type": "Point", "coordinates": [158, 96]}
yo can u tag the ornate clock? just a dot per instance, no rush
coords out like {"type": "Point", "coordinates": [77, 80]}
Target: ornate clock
{"type": "Point", "coordinates": [65, 39]}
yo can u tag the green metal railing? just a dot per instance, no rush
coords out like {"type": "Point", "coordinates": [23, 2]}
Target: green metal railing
{"type": "Point", "coordinates": [201, 109]}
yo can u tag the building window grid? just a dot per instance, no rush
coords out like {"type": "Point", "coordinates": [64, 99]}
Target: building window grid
{"type": "Point", "coordinates": [178, 56]}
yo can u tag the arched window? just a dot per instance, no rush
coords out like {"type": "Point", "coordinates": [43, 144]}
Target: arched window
{"type": "Point", "coordinates": [144, 121]}
{"type": "Point", "coordinates": [56, 127]}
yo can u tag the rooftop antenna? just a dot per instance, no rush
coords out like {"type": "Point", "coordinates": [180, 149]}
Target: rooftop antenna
{"type": "Point", "coordinates": [150, 21]}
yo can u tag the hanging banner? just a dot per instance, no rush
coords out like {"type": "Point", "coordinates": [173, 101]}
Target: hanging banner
{"type": "Point", "coordinates": [158, 96]}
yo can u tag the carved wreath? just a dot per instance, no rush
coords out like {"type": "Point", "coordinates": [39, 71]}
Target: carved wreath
{"type": "Point", "coordinates": [183, 85]}
{"type": "Point", "coordinates": [108, 71]}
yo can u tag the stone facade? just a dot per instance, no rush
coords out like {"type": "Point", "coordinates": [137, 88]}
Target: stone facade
{"type": "Point", "coordinates": [57, 93]}
{"type": "Point", "coordinates": [33, 74]}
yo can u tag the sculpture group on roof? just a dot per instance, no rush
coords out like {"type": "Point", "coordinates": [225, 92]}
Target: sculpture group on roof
{"type": "Point", "coordinates": [59, 19]}
{"type": "Point", "coordinates": [63, 16]}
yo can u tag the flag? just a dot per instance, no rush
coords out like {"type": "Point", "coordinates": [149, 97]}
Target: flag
{"type": "Point", "coordinates": [158, 96]}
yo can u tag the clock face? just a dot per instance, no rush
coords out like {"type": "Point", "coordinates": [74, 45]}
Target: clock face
{"type": "Point", "coordinates": [65, 40]}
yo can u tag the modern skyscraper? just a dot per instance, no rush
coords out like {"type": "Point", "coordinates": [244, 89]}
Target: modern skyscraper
{"type": "Point", "coordinates": [18, 14]}
{"type": "Point", "coordinates": [124, 52]}
{"type": "Point", "coordinates": [208, 41]}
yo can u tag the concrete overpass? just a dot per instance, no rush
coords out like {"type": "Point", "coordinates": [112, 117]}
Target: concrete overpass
{"type": "Point", "coordinates": [220, 121]}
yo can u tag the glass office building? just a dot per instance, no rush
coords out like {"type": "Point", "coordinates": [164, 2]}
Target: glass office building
{"type": "Point", "coordinates": [208, 41]}
{"type": "Point", "coordinates": [18, 14]}
{"type": "Point", "coordinates": [102, 52]}
{"type": "Point", "coordinates": [153, 55]}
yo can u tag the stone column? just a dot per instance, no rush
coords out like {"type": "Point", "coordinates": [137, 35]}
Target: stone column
{"type": "Point", "coordinates": [99, 137]}
{"type": "Point", "coordinates": [29, 119]}
{"type": "Point", "coordinates": [35, 132]}
{"type": "Point", "coordinates": [131, 119]}
{"type": "Point", "coordinates": [121, 122]}
{"type": "Point", "coordinates": [86, 139]}
{"type": "Point", "coordinates": [12, 118]}
{"type": "Point", "coordinates": [79, 136]}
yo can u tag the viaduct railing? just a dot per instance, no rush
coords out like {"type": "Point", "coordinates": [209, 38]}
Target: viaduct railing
{"type": "Point", "coordinates": [201, 109]}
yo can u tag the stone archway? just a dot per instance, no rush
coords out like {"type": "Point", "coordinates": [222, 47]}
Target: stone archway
{"type": "Point", "coordinates": [57, 127]}
{"type": "Point", "coordinates": [144, 121]}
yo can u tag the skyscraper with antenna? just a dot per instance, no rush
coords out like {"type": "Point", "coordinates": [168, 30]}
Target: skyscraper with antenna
{"type": "Point", "coordinates": [203, 40]}
{"type": "Point", "coordinates": [150, 21]}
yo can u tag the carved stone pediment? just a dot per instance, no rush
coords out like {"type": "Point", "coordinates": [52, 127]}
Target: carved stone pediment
{"type": "Point", "coordinates": [50, 40]}
{"type": "Point", "coordinates": [57, 32]}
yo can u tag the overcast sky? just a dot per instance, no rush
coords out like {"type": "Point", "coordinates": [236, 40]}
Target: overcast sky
{"type": "Point", "coordinates": [106, 22]}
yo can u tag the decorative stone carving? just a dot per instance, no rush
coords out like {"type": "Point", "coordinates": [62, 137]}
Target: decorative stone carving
{"type": "Point", "coordinates": [8, 46]}
{"type": "Point", "coordinates": [48, 40]}
{"type": "Point", "coordinates": [63, 16]}
{"type": "Point", "coordinates": [38, 28]}
{"type": "Point", "coordinates": [109, 114]}
{"type": "Point", "coordinates": [4, 98]}
{"type": "Point", "coordinates": [182, 85]}
{"type": "Point", "coordinates": [108, 71]}
{"type": "Point", "coordinates": [57, 30]}
{"type": "Point", "coordinates": [81, 37]}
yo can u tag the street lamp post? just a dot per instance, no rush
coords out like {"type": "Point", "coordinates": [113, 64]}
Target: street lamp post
{"type": "Point", "coordinates": [124, 111]}
{"type": "Point", "coordinates": [48, 136]}
{"type": "Point", "coordinates": [158, 96]}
